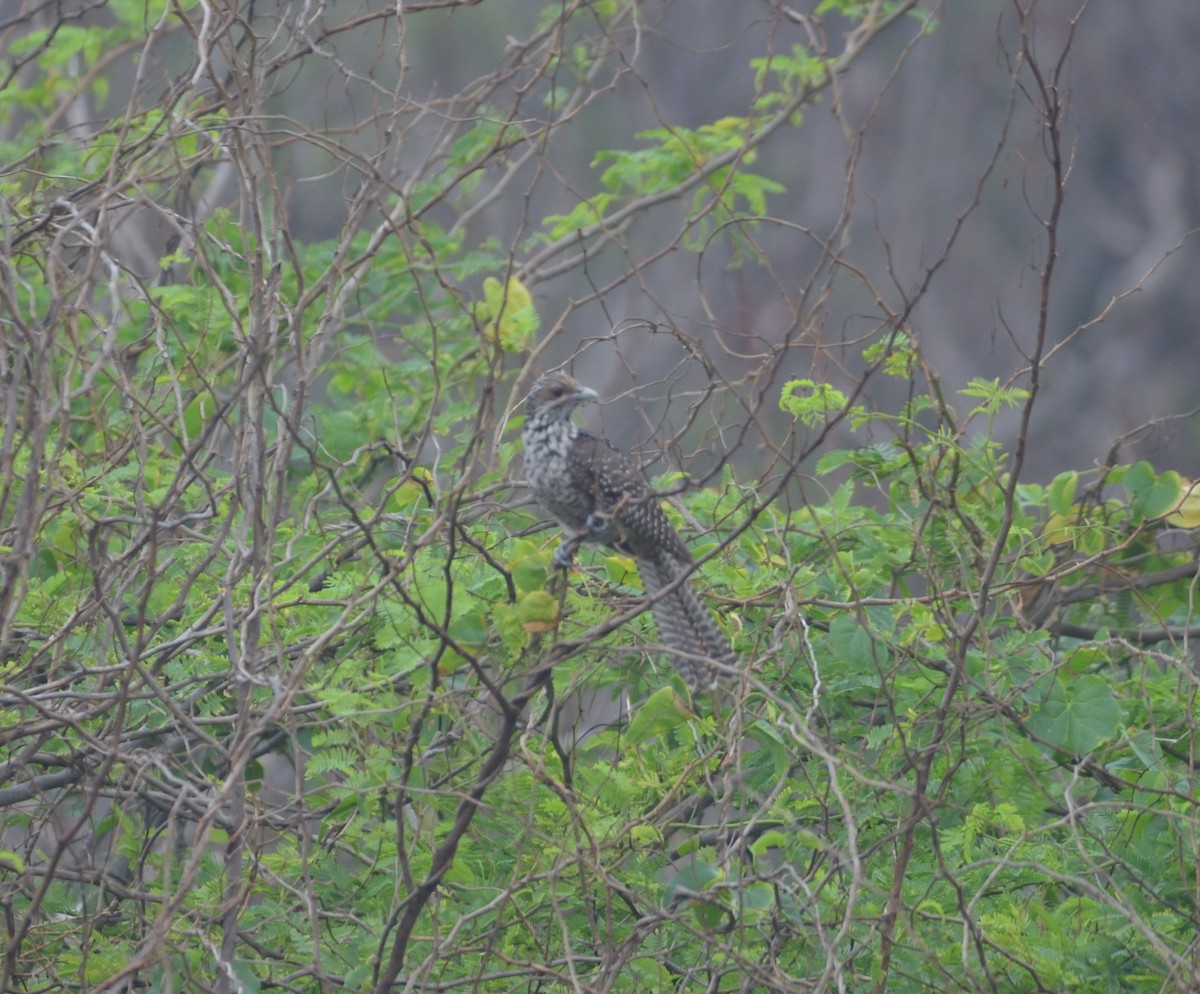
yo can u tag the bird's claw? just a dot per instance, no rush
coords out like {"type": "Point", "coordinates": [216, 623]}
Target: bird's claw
{"type": "Point", "coordinates": [564, 555]}
{"type": "Point", "coordinates": [597, 527]}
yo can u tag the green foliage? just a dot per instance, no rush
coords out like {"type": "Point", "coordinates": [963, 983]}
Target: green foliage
{"type": "Point", "coordinates": [816, 404]}
{"type": "Point", "coordinates": [286, 659]}
{"type": "Point", "coordinates": [718, 153]}
{"type": "Point", "coordinates": [791, 75]}
{"type": "Point", "coordinates": [508, 313]}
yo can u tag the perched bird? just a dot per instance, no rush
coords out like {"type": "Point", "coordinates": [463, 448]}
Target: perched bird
{"type": "Point", "coordinates": [598, 494]}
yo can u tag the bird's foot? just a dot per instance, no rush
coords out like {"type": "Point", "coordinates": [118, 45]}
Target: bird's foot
{"type": "Point", "coordinates": [564, 555]}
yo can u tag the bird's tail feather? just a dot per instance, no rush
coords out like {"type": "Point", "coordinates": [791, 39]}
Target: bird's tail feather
{"type": "Point", "coordinates": [685, 625]}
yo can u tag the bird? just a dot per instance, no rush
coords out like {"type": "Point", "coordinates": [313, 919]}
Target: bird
{"type": "Point", "coordinates": [598, 494]}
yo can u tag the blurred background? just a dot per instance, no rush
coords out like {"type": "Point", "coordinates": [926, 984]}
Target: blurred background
{"type": "Point", "coordinates": [929, 124]}
{"type": "Point", "coordinates": [924, 156]}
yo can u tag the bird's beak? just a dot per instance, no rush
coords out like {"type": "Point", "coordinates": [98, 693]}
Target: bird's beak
{"type": "Point", "coordinates": [583, 393]}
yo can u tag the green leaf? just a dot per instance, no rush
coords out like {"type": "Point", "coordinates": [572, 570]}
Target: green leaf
{"type": "Point", "coordinates": [621, 570]}
{"type": "Point", "coordinates": [246, 980]}
{"type": "Point", "coordinates": [509, 626]}
{"type": "Point", "coordinates": [508, 313]}
{"type": "Point", "coordinates": [811, 402]}
{"type": "Point", "coordinates": [10, 859]}
{"type": "Point", "coordinates": [538, 611]}
{"type": "Point", "coordinates": [694, 877]}
{"type": "Point", "coordinates": [529, 573]}
{"type": "Point", "coordinates": [469, 629]}
{"type": "Point", "coordinates": [993, 395]}
{"type": "Point", "coordinates": [855, 647]}
{"type": "Point", "coordinates": [1074, 715]}
{"type": "Point", "coordinates": [1152, 496]}
{"type": "Point", "coordinates": [1061, 493]}
{"type": "Point", "coordinates": [661, 712]}
{"type": "Point", "coordinates": [835, 460]}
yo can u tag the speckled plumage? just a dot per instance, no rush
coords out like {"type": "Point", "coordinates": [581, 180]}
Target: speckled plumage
{"type": "Point", "coordinates": [599, 494]}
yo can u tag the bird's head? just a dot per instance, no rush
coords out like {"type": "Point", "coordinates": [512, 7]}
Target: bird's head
{"type": "Point", "coordinates": [556, 395]}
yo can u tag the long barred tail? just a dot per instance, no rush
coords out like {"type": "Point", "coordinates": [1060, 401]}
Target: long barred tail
{"type": "Point", "coordinates": [697, 646]}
